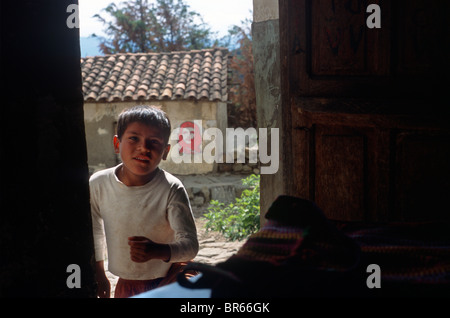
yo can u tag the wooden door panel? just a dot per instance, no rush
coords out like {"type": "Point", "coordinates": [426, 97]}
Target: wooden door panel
{"type": "Point", "coordinates": [340, 174]}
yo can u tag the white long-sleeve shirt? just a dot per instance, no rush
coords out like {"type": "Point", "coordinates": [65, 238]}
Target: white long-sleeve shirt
{"type": "Point", "coordinates": [159, 210]}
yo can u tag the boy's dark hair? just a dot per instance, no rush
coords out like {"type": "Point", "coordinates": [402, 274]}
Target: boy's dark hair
{"type": "Point", "coordinates": [148, 115]}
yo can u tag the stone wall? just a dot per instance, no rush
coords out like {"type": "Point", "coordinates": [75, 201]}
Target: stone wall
{"type": "Point", "coordinates": [266, 54]}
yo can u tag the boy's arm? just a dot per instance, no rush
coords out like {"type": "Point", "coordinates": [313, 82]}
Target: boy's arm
{"type": "Point", "coordinates": [103, 284]}
{"type": "Point", "coordinates": [181, 220]}
{"type": "Point", "coordinates": [143, 249]}
{"type": "Point", "coordinates": [97, 227]}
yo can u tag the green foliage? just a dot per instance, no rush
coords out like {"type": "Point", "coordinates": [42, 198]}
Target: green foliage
{"type": "Point", "coordinates": [238, 220]}
{"type": "Point", "coordinates": [242, 111]}
{"type": "Point", "coordinates": [137, 26]}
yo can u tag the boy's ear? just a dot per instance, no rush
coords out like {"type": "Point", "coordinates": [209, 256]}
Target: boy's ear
{"type": "Point", "coordinates": [166, 152]}
{"type": "Point", "coordinates": [116, 144]}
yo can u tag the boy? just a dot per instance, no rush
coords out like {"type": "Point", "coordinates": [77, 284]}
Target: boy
{"type": "Point", "coordinates": [143, 211]}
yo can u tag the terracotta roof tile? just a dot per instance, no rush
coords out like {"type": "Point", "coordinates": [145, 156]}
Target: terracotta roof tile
{"type": "Point", "coordinates": [198, 75]}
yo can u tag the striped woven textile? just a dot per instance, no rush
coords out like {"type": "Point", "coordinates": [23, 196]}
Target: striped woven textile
{"type": "Point", "coordinates": [298, 252]}
{"type": "Point", "coordinates": [273, 244]}
{"type": "Point", "coordinates": [415, 253]}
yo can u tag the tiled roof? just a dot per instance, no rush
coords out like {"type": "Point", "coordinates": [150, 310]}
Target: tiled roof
{"type": "Point", "coordinates": [196, 75]}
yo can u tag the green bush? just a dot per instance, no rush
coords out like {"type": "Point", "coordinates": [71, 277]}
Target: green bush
{"type": "Point", "coordinates": [237, 220]}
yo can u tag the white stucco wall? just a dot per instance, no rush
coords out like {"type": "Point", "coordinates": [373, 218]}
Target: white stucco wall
{"type": "Point", "coordinates": [100, 120]}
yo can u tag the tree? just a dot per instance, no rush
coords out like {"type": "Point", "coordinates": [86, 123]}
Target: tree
{"type": "Point", "coordinates": [242, 112]}
{"type": "Point", "coordinates": [168, 25]}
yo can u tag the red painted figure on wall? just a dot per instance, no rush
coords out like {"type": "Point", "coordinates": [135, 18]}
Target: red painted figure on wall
{"type": "Point", "coordinates": [190, 138]}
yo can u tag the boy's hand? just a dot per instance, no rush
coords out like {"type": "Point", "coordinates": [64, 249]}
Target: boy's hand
{"type": "Point", "coordinates": [104, 286]}
{"type": "Point", "coordinates": [143, 249]}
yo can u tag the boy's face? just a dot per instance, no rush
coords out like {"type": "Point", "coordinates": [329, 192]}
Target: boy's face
{"type": "Point", "coordinates": [141, 149]}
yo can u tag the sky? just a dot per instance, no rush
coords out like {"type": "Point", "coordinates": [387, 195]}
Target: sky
{"type": "Point", "coordinates": [218, 14]}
